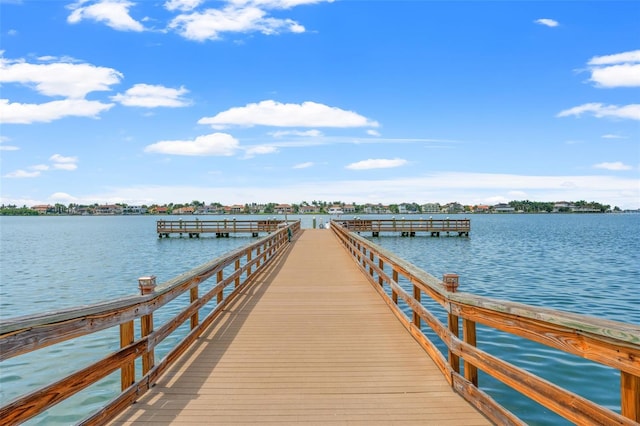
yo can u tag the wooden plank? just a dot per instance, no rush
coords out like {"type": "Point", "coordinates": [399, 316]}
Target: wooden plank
{"type": "Point", "coordinates": [309, 341]}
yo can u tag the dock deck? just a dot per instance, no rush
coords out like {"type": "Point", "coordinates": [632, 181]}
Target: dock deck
{"type": "Point", "coordinates": [310, 341]}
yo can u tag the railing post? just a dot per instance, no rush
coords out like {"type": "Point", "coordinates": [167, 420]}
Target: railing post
{"type": "Point", "coordinates": [193, 294]}
{"type": "Point", "coordinates": [147, 286]}
{"type": "Point", "coordinates": [249, 257]}
{"type": "Point", "coordinates": [417, 295]}
{"type": "Point", "coordinates": [237, 266]}
{"type": "Point", "coordinates": [146, 328]}
{"type": "Point", "coordinates": [381, 266]}
{"type": "Point", "coordinates": [258, 253]}
{"type": "Point", "coordinates": [128, 371]}
{"type": "Point", "coordinates": [394, 295]}
{"type": "Point", "coordinates": [371, 264]}
{"type": "Point", "coordinates": [630, 396]}
{"type": "Point", "coordinates": [450, 282]}
{"type": "Point", "coordinates": [220, 294]}
{"type": "Point", "coordinates": [469, 336]}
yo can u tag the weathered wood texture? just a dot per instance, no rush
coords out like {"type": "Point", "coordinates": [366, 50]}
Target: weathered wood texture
{"type": "Point", "coordinates": [309, 342]}
{"type": "Point", "coordinates": [610, 343]}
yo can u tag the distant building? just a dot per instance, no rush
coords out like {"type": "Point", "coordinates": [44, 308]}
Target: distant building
{"type": "Point", "coordinates": [308, 209]}
{"type": "Point", "coordinates": [349, 208]}
{"type": "Point", "coordinates": [134, 210]}
{"type": "Point", "coordinates": [283, 209]}
{"type": "Point", "coordinates": [503, 208]}
{"type": "Point", "coordinates": [43, 208]}
{"type": "Point", "coordinates": [108, 209]}
{"type": "Point", "coordinates": [432, 208]}
{"type": "Point", "coordinates": [184, 210]}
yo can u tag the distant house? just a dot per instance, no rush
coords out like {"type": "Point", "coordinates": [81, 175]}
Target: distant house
{"type": "Point", "coordinates": [376, 209]}
{"type": "Point", "coordinates": [134, 210]}
{"type": "Point", "coordinates": [431, 208]}
{"type": "Point", "coordinates": [503, 208]}
{"type": "Point", "coordinates": [108, 209]}
{"type": "Point", "coordinates": [43, 208]}
{"type": "Point", "coordinates": [308, 209]}
{"type": "Point", "coordinates": [349, 208]}
{"type": "Point", "coordinates": [283, 209]}
{"type": "Point", "coordinates": [481, 209]}
{"type": "Point", "coordinates": [563, 206]}
{"type": "Point", "coordinates": [160, 210]}
{"type": "Point", "coordinates": [452, 208]}
{"type": "Point", "coordinates": [184, 210]}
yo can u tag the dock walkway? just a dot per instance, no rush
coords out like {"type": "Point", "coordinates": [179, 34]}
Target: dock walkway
{"type": "Point", "coordinates": [309, 342]}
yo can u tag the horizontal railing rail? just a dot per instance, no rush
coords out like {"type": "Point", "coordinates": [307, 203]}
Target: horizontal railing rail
{"type": "Point", "coordinates": [408, 226]}
{"type": "Point", "coordinates": [28, 334]}
{"type": "Point", "coordinates": [609, 343]}
{"type": "Point", "coordinates": [224, 226]}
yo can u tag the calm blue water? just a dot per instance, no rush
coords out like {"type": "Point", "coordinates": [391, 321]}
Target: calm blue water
{"type": "Point", "coordinates": [588, 264]}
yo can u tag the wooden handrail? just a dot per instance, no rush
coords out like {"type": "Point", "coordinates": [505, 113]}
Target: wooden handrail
{"type": "Point", "coordinates": [30, 333]}
{"type": "Point", "coordinates": [609, 343]}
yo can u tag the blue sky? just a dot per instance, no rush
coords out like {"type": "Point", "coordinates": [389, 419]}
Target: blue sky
{"type": "Point", "coordinates": [156, 101]}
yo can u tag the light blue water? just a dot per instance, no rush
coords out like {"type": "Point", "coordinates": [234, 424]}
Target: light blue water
{"type": "Point", "coordinates": [581, 263]}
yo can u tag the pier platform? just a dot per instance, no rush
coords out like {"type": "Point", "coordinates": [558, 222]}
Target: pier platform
{"type": "Point", "coordinates": [221, 228]}
{"type": "Point", "coordinates": [308, 342]}
{"type": "Point", "coordinates": [409, 227]}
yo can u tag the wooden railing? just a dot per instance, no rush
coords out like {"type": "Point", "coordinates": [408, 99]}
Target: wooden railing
{"type": "Point", "coordinates": [28, 334]}
{"type": "Point", "coordinates": [408, 227]}
{"type": "Point", "coordinates": [222, 227]}
{"type": "Point", "coordinates": [609, 343]}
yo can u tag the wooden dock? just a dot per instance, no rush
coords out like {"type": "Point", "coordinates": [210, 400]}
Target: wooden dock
{"type": "Point", "coordinates": [309, 342]}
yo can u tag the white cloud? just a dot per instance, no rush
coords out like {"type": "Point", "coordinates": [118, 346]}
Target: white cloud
{"type": "Point", "coordinates": [69, 80]}
{"type": "Point", "coordinates": [616, 166]}
{"type": "Point", "coordinates": [211, 23]}
{"type": "Point", "coordinates": [308, 133]}
{"type": "Point", "coordinates": [547, 22]}
{"type": "Point", "coordinates": [599, 110]}
{"type": "Point", "coordinates": [272, 113]}
{"type": "Point", "coordinates": [304, 165]}
{"type": "Point", "coordinates": [215, 144]}
{"type": "Point", "coordinates": [152, 96]}
{"type": "Point", "coordinates": [252, 151]}
{"type": "Point", "coordinates": [20, 174]}
{"type": "Point", "coordinates": [613, 136]}
{"type": "Point", "coordinates": [276, 4]}
{"type": "Point", "coordinates": [182, 5]}
{"type": "Point", "coordinates": [377, 164]}
{"type": "Point", "coordinates": [114, 13]}
{"type": "Point", "coordinates": [618, 58]}
{"type": "Point", "coordinates": [372, 132]}
{"type": "Point", "coordinates": [624, 75]}
{"type": "Point", "coordinates": [62, 197]}
{"type": "Point", "coordinates": [40, 167]}
{"type": "Point", "coordinates": [617, 70]}
{"type": "Point", "coordinates": [61, 162]}
{"type": "Point", "coordinates": [17, 113]}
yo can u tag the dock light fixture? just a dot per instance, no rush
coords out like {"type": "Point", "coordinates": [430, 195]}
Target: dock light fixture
{"type": "Point", "coordinates": [450, 282]}
{"type": "Point", "coordinates": [147, 284]}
